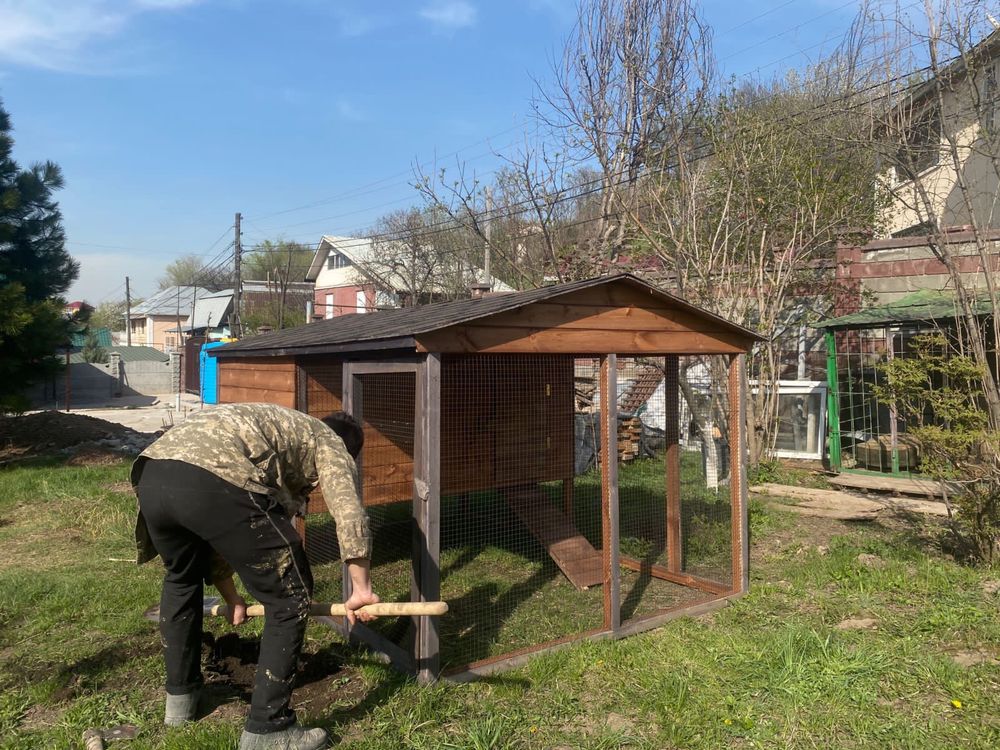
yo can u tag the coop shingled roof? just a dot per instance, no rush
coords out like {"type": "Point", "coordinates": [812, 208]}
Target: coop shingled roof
{"type": "Point", "coordinates": [397, 327]}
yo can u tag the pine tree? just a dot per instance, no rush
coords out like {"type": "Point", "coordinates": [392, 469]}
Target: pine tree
{"type": "Point", "coordinates": [35, 270]}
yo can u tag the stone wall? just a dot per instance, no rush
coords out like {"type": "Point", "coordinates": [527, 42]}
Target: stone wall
{"type": "Point", "coordinates": [92, 384]}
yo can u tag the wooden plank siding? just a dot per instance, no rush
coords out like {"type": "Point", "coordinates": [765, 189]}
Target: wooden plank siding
{"type": "Point", "coordinates": [264, 379]}
{"type": "Point", "coordinates": [505, 421]}
{"type": "Point", "coordinates": [599, 320]}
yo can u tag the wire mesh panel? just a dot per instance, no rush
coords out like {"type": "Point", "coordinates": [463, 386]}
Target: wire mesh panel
{"type": "Point", "coordinates": [871, 438]}
{"type": "Point", "coordinates": [673, 476]}
{"type": "Point", "coordinates": [323, 391]}
{"type": "Point", "coordinates": [386, 471]}
{"type": "Point", "coordinates": [387, 402]}
{"type": "Point", "coordinates": [520, 538]}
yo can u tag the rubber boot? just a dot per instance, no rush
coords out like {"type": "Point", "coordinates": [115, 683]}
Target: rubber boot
{"type": "Point", "coordinates": [180, 709]}
{"type": "Point", "coordinates": [290, 738]}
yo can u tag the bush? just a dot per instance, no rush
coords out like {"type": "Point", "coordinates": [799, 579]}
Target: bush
{"type": "Point", "coordinates": [937, 393]}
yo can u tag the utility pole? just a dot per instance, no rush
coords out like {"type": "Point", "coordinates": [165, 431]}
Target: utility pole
{"type": "Point", "coordinates": [489, 235]}
{"type": "Point", "coordinates": [128, 314]}
{"type": "Point", "coordinates": [235, 324]}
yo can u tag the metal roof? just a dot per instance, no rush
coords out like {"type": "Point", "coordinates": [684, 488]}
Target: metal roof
{"type": "Point", "coordinates": [128, 354]}
{"type": "Point", "coordinates": [360, 251]}
{"type": "Point", "coordinates": [396, 328]}
{"type": "Point", "coordinates": [103, 337]}
{"type": "Point", "coordinates": [926, 305]}
{"type": "Point", "coordinates": [211, 310]}
{"type": "Point", "coordinates": [173, 300]}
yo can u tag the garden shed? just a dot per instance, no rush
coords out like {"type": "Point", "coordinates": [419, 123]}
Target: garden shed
{"type": "Point", "coordinates": [866, 436]}
{"type": "Point", "coordinates": [556, 464]}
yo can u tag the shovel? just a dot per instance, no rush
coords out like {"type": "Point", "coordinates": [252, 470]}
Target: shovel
{"type": "Point", "coordinates": [94, 739]}
{"type": "Point", "coordinates": [337, 609]}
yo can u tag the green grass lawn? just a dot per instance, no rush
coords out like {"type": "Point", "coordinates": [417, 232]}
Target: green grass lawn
{"type": "Point", "coordinates": [772, 670]}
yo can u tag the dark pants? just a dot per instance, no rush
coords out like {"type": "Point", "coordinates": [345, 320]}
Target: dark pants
{"type": "Point", "coordinates": [190, 511]}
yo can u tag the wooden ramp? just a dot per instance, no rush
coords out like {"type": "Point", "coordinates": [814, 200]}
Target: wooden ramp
{"type": "Point", "coordinates": [568, 548]}
{"type": "Point", "coordinates": [902, 485]}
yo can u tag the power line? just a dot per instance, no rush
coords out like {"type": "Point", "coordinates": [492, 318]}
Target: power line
{"type": "Point", "coordinates": [568, 194]}
{"type": "Point", "coordinates": [788, 30]}
{"type": "Point", "coordinates": [575, 193]}
{"type": "Point", "coordinates": [353, 192]}
{"type": "Point", "coordinates": [758, 17]}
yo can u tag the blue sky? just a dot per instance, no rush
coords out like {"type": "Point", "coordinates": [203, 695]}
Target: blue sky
{"type": "Point", "coordinates": [168, 116]}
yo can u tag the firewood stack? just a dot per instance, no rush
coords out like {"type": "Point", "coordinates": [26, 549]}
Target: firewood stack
{"type": "Point", "coordinates": [629, 438]}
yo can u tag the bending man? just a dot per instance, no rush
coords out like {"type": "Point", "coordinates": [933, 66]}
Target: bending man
{"type": "Point", "coordinates": [218, 493]}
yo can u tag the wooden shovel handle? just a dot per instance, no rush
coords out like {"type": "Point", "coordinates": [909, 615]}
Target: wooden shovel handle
{"type": "Point", "coordinates": [337, 609]}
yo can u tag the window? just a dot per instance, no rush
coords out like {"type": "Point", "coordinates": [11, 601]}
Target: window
{"type": "Point", "coordinates": [921, 147]}
{"type": "Point", "coordinates": [361, 301]}
{"type": "Point", "coordinates": [337, 260]}
{"type": "Point", "coordinates": [329, 306]}
{"type": "Point", "coordinates": [989, 101]}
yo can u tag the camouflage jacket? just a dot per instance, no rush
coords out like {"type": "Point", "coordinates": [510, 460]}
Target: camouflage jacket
{"type": "Point", "coordinates": [272, 450]}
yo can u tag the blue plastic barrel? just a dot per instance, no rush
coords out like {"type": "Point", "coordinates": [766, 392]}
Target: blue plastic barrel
{"type": "Point", "coordinates": [209, 373]}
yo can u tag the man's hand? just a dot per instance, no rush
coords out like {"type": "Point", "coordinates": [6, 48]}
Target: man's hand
{"type": "Point", "coordinates": [361, 590]}
{"type": "Point", "coordinates": [236, 604]}
{"type": "Point", "coordinates": [359, 599]}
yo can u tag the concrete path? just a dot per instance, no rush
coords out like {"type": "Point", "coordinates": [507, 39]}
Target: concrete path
{"type": "Point", "coordinates": [144, 413]}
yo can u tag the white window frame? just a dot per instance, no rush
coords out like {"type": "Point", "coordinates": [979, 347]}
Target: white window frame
{"type": "Point", "coordinates": [803, 388]}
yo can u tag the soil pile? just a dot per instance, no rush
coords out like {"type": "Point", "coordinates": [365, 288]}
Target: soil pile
{"type": "Point", "coordinates": [230, 666]}
{"type": "Point", "coordinates": [51, 432]}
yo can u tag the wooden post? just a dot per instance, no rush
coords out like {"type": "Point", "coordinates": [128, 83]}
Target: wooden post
{"type": "Point", "coordinates": [426, 585]}
{"type": "Point", "coordinates": [302, 404]}
{"type": "Point", "coordinates": [570, 476]}
{"type": "Point", "coordinates": [739, 518]}
{"type": "Point", "coordinates": [69, 379]}
{"type": "Point", "coordinates": [352, 391]}
{"type": "Point", "coordinates": [672, 434]}
{"type": "Point", "coordinates": [609, 492]}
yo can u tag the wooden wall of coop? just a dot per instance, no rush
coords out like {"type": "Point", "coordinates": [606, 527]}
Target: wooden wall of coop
{"type": "Point", "coordinates": [582, 477]}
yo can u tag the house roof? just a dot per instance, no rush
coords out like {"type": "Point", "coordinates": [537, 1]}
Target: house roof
{"type": "Point", "coordinates": [128, 354]}
{"type": "Point", "coordinates": [359, 250]}
{"type": "Point", "coordinates": [924, 306]}
{"type": "Point", "coordinates": [103, 337]}
{"type": "Point", "coordinates": [211, 310]}
{"type": "Point", "coordinates": [396, 328]}
{"type": "Point", "coordinates": [170, 301]}
{"type": "Point", "coordinates": [987, 48]}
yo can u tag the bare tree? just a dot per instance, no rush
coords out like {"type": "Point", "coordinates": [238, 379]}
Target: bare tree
{"type": "Point", "coordinates": [938, 140]}
{"type": "Point", "coordinates": [279, 264]}
{"type": "Point", "coordinates": [633, 73]}
{"type": "Point", "coordinates": [417, 255]}
{"type": "Point", "coordinates": [190, 270]}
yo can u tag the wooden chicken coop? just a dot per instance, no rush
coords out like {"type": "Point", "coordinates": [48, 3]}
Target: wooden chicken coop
{"type": "Point", "coordinates": [560, 463]}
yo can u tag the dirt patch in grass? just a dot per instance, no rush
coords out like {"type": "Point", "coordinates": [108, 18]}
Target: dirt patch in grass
{"type": "Point", "coordinates": [807, 533]}
{"type": "Point", "coordinates": [89, 454]}
{"type": "Point", "coordinates": [230, 667]}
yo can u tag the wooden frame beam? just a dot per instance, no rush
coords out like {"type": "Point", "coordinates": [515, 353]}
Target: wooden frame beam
{"type": "Point", "coordinates": [683, 579]}
{"type": "Point", "coordinates": [672, 435]}
{"type": "Point", "coordinates": [609, 492]}
{"type": "Point", "coordinates": [352, 400]}
{"type": "Point", "coordinates": [426, 583]}
{"type": "Point", "coordinates": [739, 514]}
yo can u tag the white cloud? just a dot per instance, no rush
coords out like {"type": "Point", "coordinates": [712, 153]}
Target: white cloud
{"type": "Point", "coordinates": [449, 14]}
{"type": "Point", "coordinates": [58, 35]}
{"type": "Point", "coordinates": [348, 111]}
